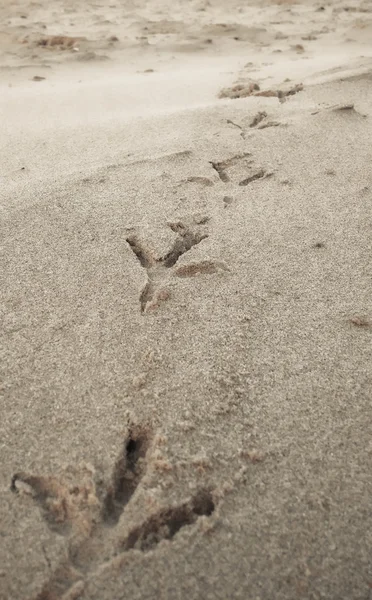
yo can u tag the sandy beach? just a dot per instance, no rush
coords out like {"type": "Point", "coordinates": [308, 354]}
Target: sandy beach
{"type": "Point", "coordinates": [186, 300]}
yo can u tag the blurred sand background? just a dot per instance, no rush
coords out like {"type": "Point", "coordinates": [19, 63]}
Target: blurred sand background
{"type": "Point", "coordinates": [185, 300]}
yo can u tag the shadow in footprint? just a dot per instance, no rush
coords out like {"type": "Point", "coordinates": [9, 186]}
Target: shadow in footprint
{"type": "Point", "coordinates": [167, 523]}
{"type": "Point", "coordinates": [128, 471]}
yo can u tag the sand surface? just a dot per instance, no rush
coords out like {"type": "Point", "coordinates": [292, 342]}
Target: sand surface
{"type": "Point", "coordinates": [185, 300]}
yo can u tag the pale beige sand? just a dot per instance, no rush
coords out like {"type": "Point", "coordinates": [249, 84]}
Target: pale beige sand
{"type": "Point", "coordinates": [186, 300]}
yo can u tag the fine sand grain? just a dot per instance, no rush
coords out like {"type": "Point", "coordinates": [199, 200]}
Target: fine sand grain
{"type": "Point", "coordinates": [186, 300]}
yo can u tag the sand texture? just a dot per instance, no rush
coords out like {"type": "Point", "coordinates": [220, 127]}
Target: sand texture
{"type": "Point", "coordinates": [186, 300]}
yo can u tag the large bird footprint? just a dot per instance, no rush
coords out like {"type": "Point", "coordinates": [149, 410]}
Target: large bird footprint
{"type": "Point", "coordinates": [87, 511]}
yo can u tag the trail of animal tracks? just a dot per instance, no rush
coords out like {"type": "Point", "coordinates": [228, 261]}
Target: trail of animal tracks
{"type": "Point", "coordinates": [185, 300]}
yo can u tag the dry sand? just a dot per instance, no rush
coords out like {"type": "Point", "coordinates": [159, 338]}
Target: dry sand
{"type": "Point", "coordinates": [186, 300]}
